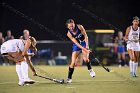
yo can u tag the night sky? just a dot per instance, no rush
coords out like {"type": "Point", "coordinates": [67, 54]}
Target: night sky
{"type": "Point", "coordinates": [53, 14]}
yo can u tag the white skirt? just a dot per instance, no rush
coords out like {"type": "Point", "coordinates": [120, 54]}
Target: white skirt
{"type": "Point", "coordinates": [133, 46]}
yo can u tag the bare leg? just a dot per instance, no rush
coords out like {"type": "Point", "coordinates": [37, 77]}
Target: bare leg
{"type": "Point", "coordinates": [86, 60]}
{"type": "Point", "coordinates": [72, 64]}
{"type": "Point", "coordinates": [119, 60]}
{"type": "Point", "coordinates": [131, 62]}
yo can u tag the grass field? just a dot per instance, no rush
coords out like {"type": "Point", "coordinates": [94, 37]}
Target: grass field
{"type": "Point", "coordinates": [104, 82]}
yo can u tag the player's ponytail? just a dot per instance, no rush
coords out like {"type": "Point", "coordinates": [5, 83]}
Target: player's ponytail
{"type": "Point", "coordinates": [33, 43]}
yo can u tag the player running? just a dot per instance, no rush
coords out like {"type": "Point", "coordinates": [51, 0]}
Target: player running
{"type": "Point", "coordinates": [16, 50]}
{"type": "Point", "coordinates": [78, 36]}
{"type": "Point", "coordinates": [133, 46]}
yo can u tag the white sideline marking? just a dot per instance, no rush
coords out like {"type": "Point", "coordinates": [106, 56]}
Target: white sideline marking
{"type": "Point", "coordinates": [98, 80]}
{"type": "Point", "coordinates": [3, 83]}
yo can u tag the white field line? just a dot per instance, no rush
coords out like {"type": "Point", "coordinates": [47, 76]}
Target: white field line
{"type": "Point", "coordinates": [3, 83]}
{"type": "Point", "coordinates": [99, 80]}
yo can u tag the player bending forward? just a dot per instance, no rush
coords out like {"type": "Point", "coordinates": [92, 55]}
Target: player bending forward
{"type": "Point", "coordinates": [78, 35]}
{"type": "Point", "coordinates": [16, 50]}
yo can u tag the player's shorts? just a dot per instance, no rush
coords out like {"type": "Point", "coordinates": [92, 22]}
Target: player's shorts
{"type": "Point", "coordinates": [76, 48]}
{"type": "Point", "coordinates": [120, 49]}
{"type": "Point", "coordinates": [134, 48]}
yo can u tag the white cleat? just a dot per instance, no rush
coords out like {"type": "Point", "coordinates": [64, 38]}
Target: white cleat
{"type": "Point", "coordinates": [92, 73]}
{"type": "Point", "coordinates": [69, 80]}
{"type": "Point", "coordinates": [125, 65]}
{"type": "Point", "coordinates": [20, 83]}
{"type": "Point", "coordinates": [120, 66]}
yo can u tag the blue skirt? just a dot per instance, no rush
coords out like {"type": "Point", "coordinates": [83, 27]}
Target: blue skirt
{"type": "Point", "coordinates": [120, 49]}
{"type": "Point", "coordinates": [76, 48]}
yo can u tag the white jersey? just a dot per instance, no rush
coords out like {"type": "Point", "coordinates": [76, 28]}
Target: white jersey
{"type": "Point", "coordinates": [12, 46]}
{"type": "Point", "coordinates": [133, 35]}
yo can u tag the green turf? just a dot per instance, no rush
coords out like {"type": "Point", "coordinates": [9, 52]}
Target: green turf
{"type": "Point", "coordinates": [115, 82]}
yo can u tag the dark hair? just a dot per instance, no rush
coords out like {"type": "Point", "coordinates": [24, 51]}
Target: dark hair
{"type": "Point", "coordinates": [136, 18]}
{"type": "Point", "coordinates": [69, 21]}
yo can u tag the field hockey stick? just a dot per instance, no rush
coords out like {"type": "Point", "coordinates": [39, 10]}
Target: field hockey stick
{"type": "Point", "coordinates": [129, 41]}
{"type": "Point", "coordinates": [61, 81]}
{"type": "Point", "coordinates": [99, 62]}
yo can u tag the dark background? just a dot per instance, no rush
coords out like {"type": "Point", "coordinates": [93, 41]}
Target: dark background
{"type": "Point", "coordinates": [53, 14]}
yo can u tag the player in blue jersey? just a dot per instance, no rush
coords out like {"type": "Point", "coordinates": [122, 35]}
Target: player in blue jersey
{"type": "Point", "coordinates": [120, 42]}
{"type": "Point", "coordinates": [78, 36]}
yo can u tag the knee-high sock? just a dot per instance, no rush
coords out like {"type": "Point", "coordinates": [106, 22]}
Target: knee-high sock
{"type": "Point", "coordinates": [120, 62]}
{"type": "Point", "coordinates": [123, 61]}
{"type": "Point", "coordinates": [19, 73]}
{"type": "Point", "coordinates": [135, 67]}
{"type": "Point", "coordinates": [88, 65]}
{"type": "Point", "coordinates": [24, 70]}
{"type": "Point", "coordinates": [71, 70]}
{"type": "Point", "coordinates": [131, 65]}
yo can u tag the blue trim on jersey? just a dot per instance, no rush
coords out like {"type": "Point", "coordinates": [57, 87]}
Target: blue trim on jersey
{"type": "Point", "coordinates": [76, 48]}
{"type": "Point", "coordinates": [76, 31]}
{"type": "Point", "coordinates": [29, 51]}
{"type": "Point", "coordinates": [82, 43]}
{"type": "Point", "coordinates": [120, 49]}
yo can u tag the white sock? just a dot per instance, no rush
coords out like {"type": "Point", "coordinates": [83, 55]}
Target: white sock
{"type": "Point", "coordinates": [24, 70]}
{"type": "Point", "coordinates": [19, 73]}
{"type": "Point", "coordinates": [131, 66]}
{"type": "Point", "coordinates": [133, 69]}
{"type": "Point", "coordinates": [136, 66]}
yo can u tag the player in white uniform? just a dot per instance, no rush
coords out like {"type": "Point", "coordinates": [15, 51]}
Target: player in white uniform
{"type": "Point", "coordinates": [133, 46]}
{"type": "Point", "coordinates": [16, 50]}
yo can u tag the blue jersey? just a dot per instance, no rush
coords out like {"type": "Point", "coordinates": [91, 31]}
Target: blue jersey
{"type": "Point", "coordinates": [79, 37]}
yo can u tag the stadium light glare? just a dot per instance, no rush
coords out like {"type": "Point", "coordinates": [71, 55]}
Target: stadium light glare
{"type": "Point", "coordinates": [104, 31]}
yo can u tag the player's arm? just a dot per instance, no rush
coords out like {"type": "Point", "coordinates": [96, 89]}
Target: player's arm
{"type": "Point", "coordinates": [21, 37]}
{"type": "Point", "coordinates": [27, 45]}
{"type": "Point", "coordinates": [3, 40]}
{"type": "Point", "coordinates": [16, 56]}
{"type": "Point", "coordinates": [116, 41]}
{"type": "Point", "coordinates": [83, 31]}
{"type": "Point", "coordinates": [9, 57]}
{"type": "Point", "coordinates": [30, 65]}
{"type": "Point", "coordinates": [126, 33]}
{"type": "Point", "coordinates": [13, 37]}
{"type": "Point", "coordinates": [75, 41]}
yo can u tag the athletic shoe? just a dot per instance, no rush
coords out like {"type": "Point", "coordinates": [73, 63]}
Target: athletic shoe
{"type": "Point", "coordinates": [69, 80]}
{"type": "Point", "coordinates": [135, 75]}
{"type": "Point", "coordinates": [120, 66]}
{"type": "Point", "coordinates": [92, 73]}
{"type": "Point", "coordinates": [125, 65]}
{"type": "Point", "coordinates": [132, 74]}
{"type": "Point", "coordinates": [29, 81]}
{"type": "Point", "coordinates": [21, 83]}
